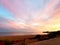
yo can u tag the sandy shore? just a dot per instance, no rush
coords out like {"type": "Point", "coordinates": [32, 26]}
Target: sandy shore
{"type": "Point", "coordinates": [55, 41]}
{"type": "Point", "coordinates": [25, 39]}
{"type": "Point", "coordinates": [22, 38]}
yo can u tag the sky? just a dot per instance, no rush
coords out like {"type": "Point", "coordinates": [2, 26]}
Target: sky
{"type": "Point", "coordinates": [29, 15]}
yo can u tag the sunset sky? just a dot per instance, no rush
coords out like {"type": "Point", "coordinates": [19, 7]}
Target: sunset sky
{"type": "Point", "coordinates": [29, 15]}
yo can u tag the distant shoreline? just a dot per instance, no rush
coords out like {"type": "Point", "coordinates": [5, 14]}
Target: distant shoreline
{"type": "Point", "coordinates": [18, 33]}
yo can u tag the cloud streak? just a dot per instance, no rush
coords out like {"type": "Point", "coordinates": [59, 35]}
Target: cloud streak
{"type": "Point", "coordinates": [31, 15]}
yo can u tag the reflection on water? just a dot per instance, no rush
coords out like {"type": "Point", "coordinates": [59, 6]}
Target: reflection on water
{"type": "Point", "coordinates": [17, 33]}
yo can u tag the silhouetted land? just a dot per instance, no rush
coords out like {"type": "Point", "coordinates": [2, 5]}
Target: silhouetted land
{"type": "Point", "coordinates": [28, 39]}
{"type": "Point", "coordinates": [48, 36]}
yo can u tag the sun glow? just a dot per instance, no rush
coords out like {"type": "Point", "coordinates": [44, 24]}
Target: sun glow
{"type": "Point", "coordinates": [36, 24]}
{"type": "Point", "coordinates": [31, 15]}
{"type": "Point", "coordinates": [53, 27]}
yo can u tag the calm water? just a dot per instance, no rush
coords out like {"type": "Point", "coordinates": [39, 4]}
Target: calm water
{"type": "Point", "coordinates": [16, 33]}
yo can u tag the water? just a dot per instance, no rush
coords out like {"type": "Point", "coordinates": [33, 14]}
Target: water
{"type": "Point", "coordinates": [15, 33]}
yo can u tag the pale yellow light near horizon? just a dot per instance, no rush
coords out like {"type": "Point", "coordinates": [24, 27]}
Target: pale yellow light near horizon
{"type": "Point", "coordinates": [55, 27]}
{"type": "Point", "coordinates": [40, 27]}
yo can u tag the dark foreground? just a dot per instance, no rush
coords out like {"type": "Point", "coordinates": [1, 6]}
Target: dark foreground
{"type": "Point", "coordinates": [52, 38]}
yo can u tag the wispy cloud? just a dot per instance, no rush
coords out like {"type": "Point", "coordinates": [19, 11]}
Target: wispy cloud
{"type": "Point", "coordinates": [29, 14]}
